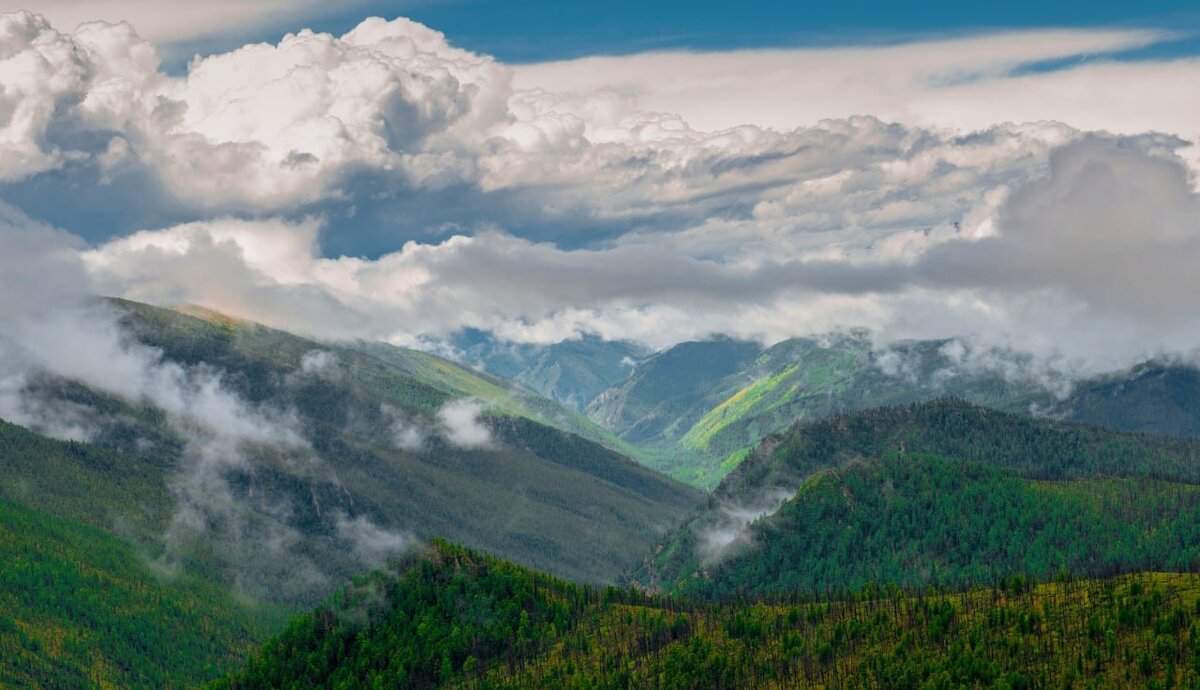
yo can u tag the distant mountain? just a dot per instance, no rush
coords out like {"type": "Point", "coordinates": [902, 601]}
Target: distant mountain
{"type": "Point", "coordinates": [940, 492]}
{"type": "Point", "coordinates": [452, 618]}
{"type": "Point", "coordinates": [573, 372]}
{"type": "Point", "coordinates": [665, 393]}
{"type": "Point", "coordinates": [697, 409]}
{"type": "Point", "coordinates": [1155, 397]}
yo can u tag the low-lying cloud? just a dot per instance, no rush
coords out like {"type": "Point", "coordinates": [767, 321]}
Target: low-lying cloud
{"type": "Point", "coordinates": [461, 424]}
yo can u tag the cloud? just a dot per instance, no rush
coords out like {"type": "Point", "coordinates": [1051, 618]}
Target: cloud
{"type": "Point", "coordinates": [1089, 249]}
{"type": "Point", "coordinates": [728, 531]}
{"type": "Point", "coordinates": [665, 222]}
{"type": "Point", "coordinates": [261, 126]}
{"type": "Point", "coordinates": [161, 22]}
{"type": "Point", "coordinates": [462, 425]}
{"type": "Point", "coordinates": [403, 433]}
{"type": "Point", "coordinates": [372, 544]}
{"type": "Point", "coordinates": [965, 83]}
{"type": "Point", "coordinates": [319, 363]}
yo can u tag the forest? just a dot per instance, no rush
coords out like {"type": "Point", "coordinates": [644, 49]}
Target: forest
{"type": "Point", "coordinates": [453, 618]}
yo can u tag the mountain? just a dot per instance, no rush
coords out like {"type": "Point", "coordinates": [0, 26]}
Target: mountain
{"type": "Point", "coordinates": [939, 492]}
{"type": "Point", "coordinates": [1155, 397]}
{"type": "Point", "coordinates": [698, 409]}
{"type": "Point", "coordinates": [452, 618]}
{"type": "Point", "coordinates": [658, 397]}
{"type": "Point", "coordinates": [347, 452]}
{"type": "Point", "coordinates": [573, 372]}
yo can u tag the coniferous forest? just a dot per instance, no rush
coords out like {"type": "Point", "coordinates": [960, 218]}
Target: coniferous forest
{"type": "Point", "coordinates": [454, 618]}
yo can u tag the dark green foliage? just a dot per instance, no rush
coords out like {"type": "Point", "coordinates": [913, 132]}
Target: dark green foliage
{"type": "Point", "coordinates": [456, 619]}
{"type": "Point", "coordinates": [540, 495]}
{"type": "Point", "coordinates": [867, 510]}
{"type": "Point", "coordinates": [916, 521]}
{"type": "Point", "coordinates": [1154, 397]}
{"type": "Point", "coordinates": [950, 428]}
{"type": "Point", "coordinates": [80, 608]}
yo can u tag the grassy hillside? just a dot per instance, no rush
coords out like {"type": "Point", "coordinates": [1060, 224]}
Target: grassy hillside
{"type": "Point", "coordinates": [658, 400]}
{"type": "Point", "coordinates": [411, 379]}
{"type": "Point", "coordinates": [455, 619]}
{"type": "Point", "coordinates": [80, 608]}
{"type": "Point", "coordinates": [944, 492]}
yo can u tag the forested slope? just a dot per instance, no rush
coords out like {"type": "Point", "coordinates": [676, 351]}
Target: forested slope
{"type": "Point", "coordinates": [456, 619]}
{"type": "Point", "coordinates": [940, 492]}
{"type": "Point", "coordinates": [81, 608]}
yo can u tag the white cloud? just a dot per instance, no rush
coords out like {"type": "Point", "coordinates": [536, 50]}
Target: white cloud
{"type": "Point", "coordinates": [753, 231]}
{"type": "Point", "coordinates": [261, 126]}
{"type": "Point", "coordinates": [168, 21]}
{"type": "Point", "coordinates": [961, 83]}
{"type": "Point", "coordinates": [1087, 263]}
{"type": "Point", "coordinates": [403, 433]}
{"type": "Point", "coordinates": [372, 544]}
{"type": "Point", "coordinates": [462, 425]}
{"type": "Point", "coordinates": [319, 363]}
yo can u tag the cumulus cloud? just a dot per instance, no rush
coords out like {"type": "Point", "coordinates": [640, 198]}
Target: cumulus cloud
{"type": "Point", "coordinates": [159, 21]}
{"type": "Point", "coordinates": [713, 222]}
{"type": "Point", "coordinates": [461, 424]}
{"type": "Point", "coordinates": [1089, 247]}
{"type": "Point", "coordinates": [261, 126]}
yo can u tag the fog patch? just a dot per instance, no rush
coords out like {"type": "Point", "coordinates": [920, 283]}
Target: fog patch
{"type": "Point", "coordinates": [372, 544]}
{"type": "Point", "coordinates": [722, 539]}
{"type": "Point", "coordinates": [320, 363]}
{"type": "Point", "coordinates": [461, 424]}
{"type": "Point", "coordinates": [403, 433]}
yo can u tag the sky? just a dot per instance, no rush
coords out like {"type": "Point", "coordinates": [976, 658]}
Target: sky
{"type": "Point", "coordinates": [1024, 177]}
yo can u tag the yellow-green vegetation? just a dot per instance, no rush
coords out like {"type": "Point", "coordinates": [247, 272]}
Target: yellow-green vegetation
{"type": "Point", "coordinates": [456, 619]}
{"type": "Point", "coordinates": [736, 394]}
{"type": "Point", "coordinates": [784, 394]}
{"type": "Point", "coordinates": [80, 608]}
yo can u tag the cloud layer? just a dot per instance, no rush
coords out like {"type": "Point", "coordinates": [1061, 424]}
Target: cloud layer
{"type": "Point", "coordinates": [832, 188]}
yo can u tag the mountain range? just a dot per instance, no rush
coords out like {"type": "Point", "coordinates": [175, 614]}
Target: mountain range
{"type": "Point", "coordinates": [263, 470]}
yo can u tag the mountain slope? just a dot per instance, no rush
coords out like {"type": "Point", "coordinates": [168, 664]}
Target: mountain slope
{"type": "Point", "coordinates": [826, 493]}
{"type": "Point", "coordinates": [1153, 397]}
{"type": "Point", "coordinates": [573, 372]}
{"type": "Point", "coordinates": [456, 619]}
{"type": "Point", "coordinates": [659, 400]}
{"type": "Point", "coordinates": [80, 608]}
{"type": "Point", "coordinates": [351, 457]}
{"type": "Point", "coordinates": [699, 408]}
